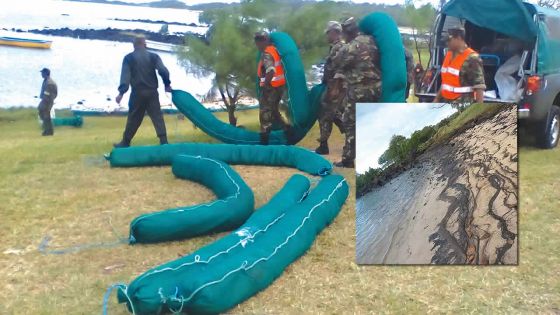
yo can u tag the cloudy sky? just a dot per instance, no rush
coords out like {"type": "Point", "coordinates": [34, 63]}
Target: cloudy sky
{"type": "Point", "coordinates": [377, 123]}
{"type": "Point", "coordinates": [419, 2]}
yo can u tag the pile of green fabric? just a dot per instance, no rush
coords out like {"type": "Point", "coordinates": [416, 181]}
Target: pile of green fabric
{"type": "Point", "coordinates": [264, 242]}
{"type": "Point", "coordinates": [75, 121]}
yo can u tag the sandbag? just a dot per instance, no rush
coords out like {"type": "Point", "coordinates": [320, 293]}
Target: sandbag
{"type": "Point", "coordinates": [296, 85]}
{"type": "Point", "coordinates": [76, 121]}
{"type": "Point", "coordinates": [302, 106]}
{"type": "Point", "coordinates": [271, 155]}
{"type": "Point", "coordinates": [229, 271]}
{"type": "Point", "coordinates": [234, 204]}
{"type": "Point", "coordinates": [393, 65]}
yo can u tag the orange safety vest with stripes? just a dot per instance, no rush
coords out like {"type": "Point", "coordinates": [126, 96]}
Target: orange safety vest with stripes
{"type": "Point", "coordinates": [451, 88]}
{"type": "Point", "coordinates": [278, 79]}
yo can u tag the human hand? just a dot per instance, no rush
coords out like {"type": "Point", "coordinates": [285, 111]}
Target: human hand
{"type": "Point", "coordinates": [119, 98]}
{"type": "Point", "coordinates": [168, 89]}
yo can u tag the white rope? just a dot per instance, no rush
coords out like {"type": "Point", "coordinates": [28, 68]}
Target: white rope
{"type": "Point", "coordinates": [198, 206]}
{"type": "Point", "coordinates": [277, 248]}
{"type": "Point", "coordinates": [197, 257]}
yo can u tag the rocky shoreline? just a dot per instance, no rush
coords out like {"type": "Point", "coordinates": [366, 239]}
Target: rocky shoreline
{"type": "Point", "coordinates": [159, 22]}
{"type": "Point", "coordinates": [112, 34]}
{"type": "Point", "coordinates": [456, 205]}
{"type": "Point", "coordinates": [393, 171]}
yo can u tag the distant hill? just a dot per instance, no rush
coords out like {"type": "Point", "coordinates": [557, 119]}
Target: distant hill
{"type": "Point", "coordinates": [168, 4]}
{"type": "Point", "coordinates": [397, 11]}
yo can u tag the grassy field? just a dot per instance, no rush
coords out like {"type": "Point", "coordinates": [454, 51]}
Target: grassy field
{"type": "Point", "coordinates": [61, 186]}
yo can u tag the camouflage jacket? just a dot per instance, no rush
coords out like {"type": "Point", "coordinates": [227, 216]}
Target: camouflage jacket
{"type": "Point", "coordinates": [49, 90]}
{"type": "Point", "coordinates": [267, 64]}
{"type": "Point", "coordinates": [358, 61]}
{"type": "Point", "coordinates": [472, 72]}
{"type": "Point", "coordinates": [330, 66]}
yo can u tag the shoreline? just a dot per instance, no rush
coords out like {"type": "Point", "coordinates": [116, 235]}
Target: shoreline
{"type": "Point", "coordinates": [112, 34]}
{"type": "Point", "coordinates": [457, 205]}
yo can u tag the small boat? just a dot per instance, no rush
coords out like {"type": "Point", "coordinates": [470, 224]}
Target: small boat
{"type": "Point", "coordinates": [25, 42]}
{"type": "Point", "coordinates": [159, 46]}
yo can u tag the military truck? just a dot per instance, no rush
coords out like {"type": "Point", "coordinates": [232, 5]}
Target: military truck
{"type": "Point", "coordinates": [519, 44]}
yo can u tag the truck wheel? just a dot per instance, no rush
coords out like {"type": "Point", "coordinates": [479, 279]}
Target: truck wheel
{"type": "Point", "coordinates": [550, 133]}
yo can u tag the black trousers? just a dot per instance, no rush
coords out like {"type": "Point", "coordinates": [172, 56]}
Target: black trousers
{"type": "Point", "coordinates": [142, 101]}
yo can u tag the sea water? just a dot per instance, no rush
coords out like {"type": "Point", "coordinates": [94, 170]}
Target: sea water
{"type": "Point", "coordinates": [87, 71]}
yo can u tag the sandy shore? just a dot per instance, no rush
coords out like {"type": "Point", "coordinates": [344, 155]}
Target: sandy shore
{"type": "Point", "coordinates": [457, 205]}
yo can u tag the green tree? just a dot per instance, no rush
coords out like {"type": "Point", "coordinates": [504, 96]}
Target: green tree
{"type": "Point", "coordinates": [164, 29]}
{"type": "Point", "coordinates": [420, 20]}
{"type": "Point", "coordinates": [228, 51]}
{"type": "Point", "coordinates": [553, 4]}
{"type": "Point", "coordinates": [397, 151]}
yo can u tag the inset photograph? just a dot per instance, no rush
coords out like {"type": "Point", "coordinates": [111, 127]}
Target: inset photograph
{"type": "Point", "coordinates": [436, 184]}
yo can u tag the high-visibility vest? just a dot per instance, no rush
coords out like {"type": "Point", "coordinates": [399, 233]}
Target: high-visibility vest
{"type": "Point", "coordinates": [278, 79]}
{"type": "Point", "coordinates": [451, 88]}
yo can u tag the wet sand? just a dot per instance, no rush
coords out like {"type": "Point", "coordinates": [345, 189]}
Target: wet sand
{"type": "Point", "coordinates": [457, 205]}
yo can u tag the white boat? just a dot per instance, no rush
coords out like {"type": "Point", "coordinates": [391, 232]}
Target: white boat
{"type": "Point", "coordinates": [159, 46]}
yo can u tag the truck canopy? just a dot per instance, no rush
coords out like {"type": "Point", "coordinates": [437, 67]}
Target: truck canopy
{"type": "Point", "coordinates": [548, 44]}
{"type": "Point", "coordinates": [509, 17]}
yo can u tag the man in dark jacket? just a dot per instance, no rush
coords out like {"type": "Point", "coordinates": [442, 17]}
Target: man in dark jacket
{"type": "Point", "coordinates": [49, 92]}
{"type": "Point", "coordinates": [139, 71]}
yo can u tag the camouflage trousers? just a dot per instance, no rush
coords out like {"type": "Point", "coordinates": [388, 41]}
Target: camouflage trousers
{"type": "Point", "coordinates": [45, 115]}
{"type": "Point", "coordinates": [355, 94]}
{"type": "Point", "coordinates": [330, 112]}
{"type": "Point", "coordinates": [269, 113]}
{"type": "Point", "coordinates": [466, 98]}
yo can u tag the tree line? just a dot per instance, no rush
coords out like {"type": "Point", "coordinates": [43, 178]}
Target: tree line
{"type": "Point", "coordinates": [228, 52]}
{"type": "Point", "coordinates": [402, 151]}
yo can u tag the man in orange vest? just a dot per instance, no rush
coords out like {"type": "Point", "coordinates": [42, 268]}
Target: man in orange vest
{"type": "Point", "coordinates": [272, 84]}
{"type": "Point", "coordinates": [462, 73]}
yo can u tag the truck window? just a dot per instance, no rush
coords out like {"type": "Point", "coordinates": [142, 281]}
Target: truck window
{"type": "Point", "coordinates": [552, 24]}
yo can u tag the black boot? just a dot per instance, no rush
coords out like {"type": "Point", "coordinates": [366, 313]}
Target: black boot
{"type": "Point", "coordinates": [323, 148]}
{"type": "Point", "coordinates": [122, 144]}
{"type": "Point", "coordinates": [345, 163]}
{"type": "Point", "coordinates": [163, 140]}
{"type": "Point", "coordinates": [264, 138]}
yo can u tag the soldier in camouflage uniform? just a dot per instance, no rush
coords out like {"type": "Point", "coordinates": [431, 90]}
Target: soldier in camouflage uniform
{"type": "Point", "coordinates": [272, 86]}
{"type": "Point", "coordinates": [49, 92]}
{"type": "Point", "coordinates": [471, 73]}
{"type": "Point", "coordinates": [358, 64]}
{"type": "Point", "coordinates": [332, 102]}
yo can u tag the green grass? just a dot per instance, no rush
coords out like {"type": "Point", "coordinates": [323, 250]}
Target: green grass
{"type": "Point", "coordinates": [461, 119]}
{"type": "Point", "coordinates": [62, 187]}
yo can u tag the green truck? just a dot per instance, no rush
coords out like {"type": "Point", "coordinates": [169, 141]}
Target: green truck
{"type": "Point", "coordinates": [519, 44]}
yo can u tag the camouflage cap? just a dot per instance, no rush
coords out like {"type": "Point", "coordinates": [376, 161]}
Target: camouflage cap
{"type": "Point", "coordinates": [333, 26]}
{"type": "Point", "coordinates": [261, 36]}
{"type": "Point", "coordinates": [456, 32]}
{"type": "Point", "coordinates": [349, 24]}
